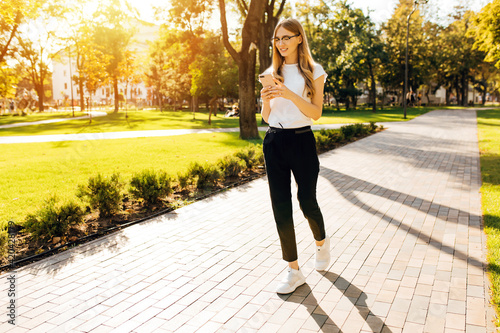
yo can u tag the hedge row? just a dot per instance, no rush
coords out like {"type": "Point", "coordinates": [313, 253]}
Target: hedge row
{"type": "Point", "coordinates": [105, 195]}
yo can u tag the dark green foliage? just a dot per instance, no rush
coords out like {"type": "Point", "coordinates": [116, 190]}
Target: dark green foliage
{"type": "Point", "coordinates": [329, 139]}
{"type": "Point", "coordinates": [184, 180]}
{"type": "Point", "coordinates": [251, 155]}
{"type": "Point", "coordinates": [4, 242]}
{"type": "Point", "coordinates": [373, 127]}
{"type": "Point", "coordinates": [53, 220]}
{"type": "Point", "coordinates": [150, 186]}
{"type": "Point", "coordinates": [231, 166]}
{"type": "Point", "coordinates": [361, 129]}
{"type": "Point", "coordinates": [103, 194]}
{"type": "Point", "coordinates": [206, 175]}
{"type": "Point", "coordinates": [348, 132]}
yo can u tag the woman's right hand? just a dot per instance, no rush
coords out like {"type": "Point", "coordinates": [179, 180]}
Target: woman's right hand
{"type": "Point", "coordinates": [266, 94]}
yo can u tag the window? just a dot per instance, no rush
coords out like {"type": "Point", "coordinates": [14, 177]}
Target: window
{"type": "Point", "coordinates": [64, 73]}
{"type": "Point", "coordinates": [65, 86]}
{"type": "Point", "coordinates": [139, 91]}
{"type": "Point", "coordinates": [103, 91]}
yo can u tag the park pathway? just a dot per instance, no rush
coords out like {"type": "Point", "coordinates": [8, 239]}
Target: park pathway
{"type": "Point", "coordinates": [404, 212]}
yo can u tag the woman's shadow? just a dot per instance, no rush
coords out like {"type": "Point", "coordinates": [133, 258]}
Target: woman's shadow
{"type": "Point", "coordinates": [356, 296]}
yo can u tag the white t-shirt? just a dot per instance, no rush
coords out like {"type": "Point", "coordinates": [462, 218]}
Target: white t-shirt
{"type": "Point", "coordinates": [285, 114]}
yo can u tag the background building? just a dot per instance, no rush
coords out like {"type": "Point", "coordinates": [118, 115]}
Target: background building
{"type": "Point", "coordinates": [139, 94]}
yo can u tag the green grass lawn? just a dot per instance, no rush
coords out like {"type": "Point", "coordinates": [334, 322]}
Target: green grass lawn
{"type": "Point", "coordinates": [118, 122]}
{"type": "Point", "coordinates": [32, 172]}
{"type": "Point", "coordinates": [8, 119]}
{"type": "Point", "coordinates": [156, 120]}
{"type": "Point", "coordinates": [489, 145]}
{"type": "Point", "coordinates": [332, 116]}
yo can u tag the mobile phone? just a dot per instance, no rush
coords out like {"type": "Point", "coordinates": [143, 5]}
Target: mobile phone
{"type": "Point", "coordinates": [267, 80]}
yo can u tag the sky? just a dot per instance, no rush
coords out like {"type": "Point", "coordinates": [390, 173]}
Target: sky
{"type": "Point", "coordinates": [382, 9]}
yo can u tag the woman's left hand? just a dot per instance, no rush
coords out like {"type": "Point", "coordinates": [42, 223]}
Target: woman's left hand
{"type": "Point", "coordinates": [280, 90]}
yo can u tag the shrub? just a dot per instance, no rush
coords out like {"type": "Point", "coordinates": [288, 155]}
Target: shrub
{"type": "Point", "coordinates": [150, 186]}
{"type": "Point", "coordinates": [259, 156]}
{"type": "Point", "coordinates": [53, 220]}
{"type": "Point", "coordinates": [103, 194]}
{"type": "Point", "coordinates": [251, 155]}
{"type": "Point", "coordinates": [360, 129]}
{"type": "Point", "coordinates": [206, 175]}
{"type": "Point", "coordinates": [184, 180]}
{"type": "Point", "coordinates": [231, 166]}
{"type": "Point", "coordinates": [4, 242]}
{"type": "Point", "coordinates": [372, 127]}
{"type": "Point", "coordinates": [322, 142]}
{"type": "Point", "coordinates": [347, 131]}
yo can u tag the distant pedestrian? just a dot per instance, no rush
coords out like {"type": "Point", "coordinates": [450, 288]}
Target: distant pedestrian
{"type": "Point", "coordinates": [289, 106]}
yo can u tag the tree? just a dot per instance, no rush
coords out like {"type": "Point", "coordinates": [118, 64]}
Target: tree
{"type": "Point", "coordinates": [487, 32]}
{"type": "Point", "coordinates": [38, 41]}
{"type": "Point", "coordinates": [395, 41]}
{"type": "Point", "coordinates": [112, 38]}
{"type": "Point", "coordinates": [213, 73]}
{"type": "Point", "coordinates": [346, 44]}
{"type": "Point", "coordinates": [269, 21]}
{"type": "Point", "coordinates": [155, 73]}
{"type": "Point", "coordinates": [246, 60]}
{"type": "Point", "coordinates": [12, 14]}
{"type": "Point", "coordinates": [189, 16]}
{"type": "Point", "coordinates": [9, 77]}
{"type": "Point", "coordinates": [168, 72]}
{"type": "Point", "coordinates": [462, 57]}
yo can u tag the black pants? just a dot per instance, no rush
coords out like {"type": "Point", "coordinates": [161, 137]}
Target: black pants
{"type": "Point", "coordinates": [286, 151]}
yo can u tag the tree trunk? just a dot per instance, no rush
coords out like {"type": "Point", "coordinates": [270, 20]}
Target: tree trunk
{"type": "Point", "coordinates": [5, 47]}
{"type": "Point", "coordinates": [268, 23]}
{"type": "Point", "coordinates": [373, 88]}
{"type": "Point", "coordinates": [82, 100]}
{"type": "Point", "coordinates": [196, 105]}
{"type": "Point", "coordinates": [383, 99]}
{"type": "Point", "coordinates": [248, 122]}
{"type": "Point", "coordinates": [246, 60]}
{"type": "Point", "coordinates": [115, 89]}
{"type": "Point", "coordinates": [41, 96]}
{"type": "Point", "coordinates": [465, 90]}
{"type": "Point", "coordinates": [447, 94]}
{"type": "Point", "coordinates": [427, 95]}
{"type": "Point", "coordinates": [213, 109]}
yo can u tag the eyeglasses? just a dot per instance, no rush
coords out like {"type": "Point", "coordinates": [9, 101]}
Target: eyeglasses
{"type": "Point", "coordinates": [284, 39]}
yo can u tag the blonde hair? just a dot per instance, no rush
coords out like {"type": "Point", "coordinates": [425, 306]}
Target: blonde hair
{"type": "Point", "coordinates": [306, 62]}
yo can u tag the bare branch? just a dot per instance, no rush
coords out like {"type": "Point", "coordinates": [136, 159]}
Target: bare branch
{"type": "Point", "coordinates": [12, 34]}
{"type": "Point", "coordinates": [280, 10]}
{"type": "Point", "coordinates": [242, 5]}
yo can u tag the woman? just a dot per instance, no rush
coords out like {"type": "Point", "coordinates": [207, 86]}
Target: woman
{"type": "Point", "coordinates": [289, 107]}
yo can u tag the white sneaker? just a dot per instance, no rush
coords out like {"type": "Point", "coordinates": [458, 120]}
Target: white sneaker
{"type": "Point", "coordinates": [292, 280]}
{"type": "Point", "coordinates": [323, 255]}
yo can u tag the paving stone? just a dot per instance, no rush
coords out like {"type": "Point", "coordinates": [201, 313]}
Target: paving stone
{"type": "Point", "coordinates": [402, 207]}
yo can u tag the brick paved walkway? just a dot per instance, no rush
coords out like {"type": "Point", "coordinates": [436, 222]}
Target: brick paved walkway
{"type": "Point", "coordinates": [403, 209]}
